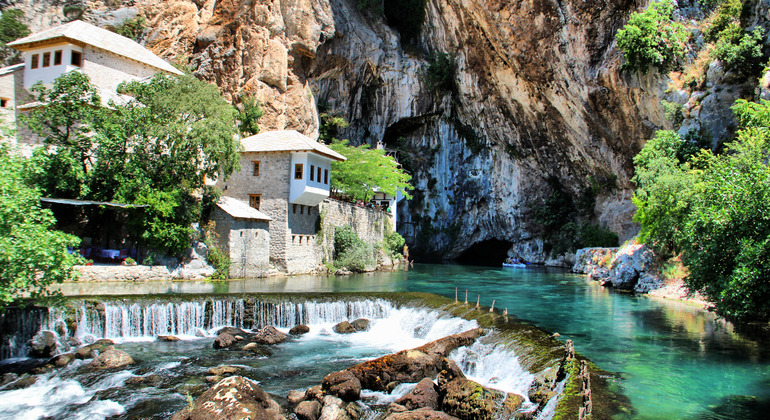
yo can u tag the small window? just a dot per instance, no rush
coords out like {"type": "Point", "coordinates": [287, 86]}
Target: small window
{"type": "Point", "coordinates": [319, 174]}
{"type": "Point", "coordinates": [3, 103]}
{"type": "Point", "coordinates": [57, 58]}
{"type": "Point", "coordinates": [326, 176]}
{"type": "Point", "coordinates": [255, 200]}
{"type": "Point", "coordinates": [293, 237]}
{"type": "Point", "coordinates": [301, 209]}
{"type": "Point", "coordinates": [300, 239]}
{"type": "Point", "coordinates": [47, 59]}
{"type": "Point", "coordinates": [298, 171]}
{"type": "Point", "coordinates": [294, 208]}
{"type": "Point", "coordinates": [312, 173]}
{"type": "Point", "coordinates": [256, 168]}
{"type": "Point", "coordinates": [35, 61]}
{"type": "Point", "coordinates": [76, 59]}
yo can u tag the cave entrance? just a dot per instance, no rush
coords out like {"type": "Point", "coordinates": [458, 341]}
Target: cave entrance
{"type": "Point", "coordinates": [491, 252]}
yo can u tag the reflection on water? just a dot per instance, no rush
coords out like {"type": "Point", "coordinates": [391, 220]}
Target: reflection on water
{"type": "Point", "coordinates": [675, 360]}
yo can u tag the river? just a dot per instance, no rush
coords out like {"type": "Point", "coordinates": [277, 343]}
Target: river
{"type": "Point", "coordinates": [672, 360]}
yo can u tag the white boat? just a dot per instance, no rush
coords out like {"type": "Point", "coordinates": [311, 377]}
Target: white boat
{"type": "Point", "coordinates": [516, 265]}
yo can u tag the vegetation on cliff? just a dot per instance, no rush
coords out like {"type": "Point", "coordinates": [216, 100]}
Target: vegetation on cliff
{"type": "Point", "coordinates": [155, 149]}
{"type": "Point", "coordinates": [32, 254]}
{"type": "Point", "coordinates": [713, 209]}
{"type": "Point", "coordinates": [11, 28]}
{"type": "Point", "coordinates": [652, 38]}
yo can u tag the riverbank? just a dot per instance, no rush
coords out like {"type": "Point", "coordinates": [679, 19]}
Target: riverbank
{"type": "Point", "coordinates": [635, 268]}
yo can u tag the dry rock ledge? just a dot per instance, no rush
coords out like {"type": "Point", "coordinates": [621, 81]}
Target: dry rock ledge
{"type": "Point", "coordinates": [452, 396]}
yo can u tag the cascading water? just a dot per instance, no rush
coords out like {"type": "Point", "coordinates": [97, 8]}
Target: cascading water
{"type": "Point", "coordinates": [296, 364]}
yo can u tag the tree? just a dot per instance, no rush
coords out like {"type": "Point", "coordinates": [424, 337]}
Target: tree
{"type": "Point", "coordinates": [32, 255]}
{"type": "Point", "coordinates": [248, 116]}
{"type": "Point", "coordinates": [713, 210]}
{"type": "Point", "coordinates": [367, 170]}
{"type": "Point", "coordinates": [652, 38]}
{"type": "Point", "coordinates": [11, 29]}
{"type": "Point", "coordinates": [156, 149]}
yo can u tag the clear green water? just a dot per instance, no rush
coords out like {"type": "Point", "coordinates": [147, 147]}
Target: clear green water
{"type": "Point", "coordinates": [673, 361]}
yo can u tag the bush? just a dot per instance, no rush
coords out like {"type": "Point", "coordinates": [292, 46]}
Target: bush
{"type": "Point", "coordinates": [216, 257]}
{"type": "Point", "coordinates": [393, 243]}
{"type": "Point", "coordinates": [724, 21]}
{"type": "Point", "coordinates": [440, 73]}
{"type": "Point", "coordinates": [744, 56]}
{"type": "Point", "coordinates": [132, 28]}
{"type": "Point", "coordinates": [350, 251]}
{"type": "Point", "coordinates": [673, 112]}
{"type": "Point", "coordinates": [652, 38]}
{"type": "Point", "coordinates": [594, 235]}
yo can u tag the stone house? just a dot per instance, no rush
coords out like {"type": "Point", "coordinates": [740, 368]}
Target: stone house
{"type": "Point", "coordinates": [244, 235]}
{"type": "Point", "coordinates": [106, 57]}
{"type": "Point", "coordinates": [286, 175]}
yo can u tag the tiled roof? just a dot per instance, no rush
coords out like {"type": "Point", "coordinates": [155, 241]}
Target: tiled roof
{"type": "Point", "coordinates": [287, 141]}
{"type": "Point", "coordinates": [239, 209]}
{"type": "Point", "coordinates": [83, 32]}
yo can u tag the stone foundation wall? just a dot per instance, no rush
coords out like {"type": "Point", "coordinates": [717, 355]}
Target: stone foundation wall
{"type": "Point", "coordinates": [371, 225]}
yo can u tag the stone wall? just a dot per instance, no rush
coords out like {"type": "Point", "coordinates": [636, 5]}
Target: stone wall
{"type": "Point", "coordinates": [246, 241]}
{"type": "Point", "coordinates": [371, 225]}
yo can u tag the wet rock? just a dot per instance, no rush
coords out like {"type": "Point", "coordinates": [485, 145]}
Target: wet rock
{"type": "Point", "coordinates": [359, 411]}
{"type": "Point", "coordinates": [396, 408]}
{"type": "Point", "coordinates": [24, 382]}
{"type": "Point", "coordinates": [344, 327]}
{"type": "Point", "coordinates": [411, 365]}
{"type": "Point", "coordinates": [232, 398]}
{"type": "Point", "coordinates": [342, 384]}
{"type": "Point", "coordinates": [308, 410]}
{"type": "Point", "coordinates": [224, 370]}
{"type": "Point", "coordinates": [647, 282]}
{"type": "Point", "coordinates": [43, 344]}
{"type": "Point", "coordinates": [8, 377]}
{"type": "Point", "coordinates": [423, 395]}
{"type": "Point", "coordinates": [63, 360]}
{"type": "Point", "coordinates": [629, 263]}
{"type": "Point", "coordinates": [168, 338]}
{"type": "Point", "coordinates": [295, 396]}
{"type": "Point", "coordinates": [238, 338]}
{"type": "Point", "coordinates": [232, 331]}
{"type": "Point", "coordinates": [467, 399]}
{"type": "Point", "coordinates": [111, 358]}
{"type": "Point", "coordinates": [84, 353]}
{"type": "Point", "coordinates": [361, 324]}
{"type": "Point", "coordinates": [315, 393]}
{"type": "Point", "coordinates": [223, 341]}
{"type": "Point", "coordinates": [149, 380]}
{"type": "Point", "coordinates": [212, 379]}
{"type": "Point", "coordinates": [333, 409]}
{"type": "Point", "coordinates": [391, 386]}
{"type": "Point", "coordinates": [269, 335]}
{"type": "Point", "coordinates": [42, 369]}
{"type": "Point", "coordinates": [299, 329]}
{"type": "Point", "coordinates": [420, 414]}
{"type": "Point", "coordinates": [251, 347]}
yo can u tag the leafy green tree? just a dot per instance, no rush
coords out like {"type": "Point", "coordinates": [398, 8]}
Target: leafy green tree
{"type": "Point", "coordinates": [367, 170]}
{"type": "Point", "coordinates": [652, 38]}
{"type": "Point", "coordinates": [11, 29]}
{"type": "Point", "coordinates": [744, 54]}
{"type": "Point", "coordinates": [440, 73]}
{"type": "Point", "coordinates": [32, 255]}
{"type": "Point", "coordinates": [248, 116]}
{"type": "Point", "coordinates": [132, 28]}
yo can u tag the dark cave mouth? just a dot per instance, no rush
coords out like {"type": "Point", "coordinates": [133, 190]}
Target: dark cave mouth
{"type": "Point", "coordinates": [491, 253]}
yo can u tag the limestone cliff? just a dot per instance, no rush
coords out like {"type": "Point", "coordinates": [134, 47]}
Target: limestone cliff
{"type": "Point", "coordinates": [538, 105]}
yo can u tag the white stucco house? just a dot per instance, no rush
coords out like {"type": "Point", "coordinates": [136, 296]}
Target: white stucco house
{"type": "Point", "coordinates": [106, 57]}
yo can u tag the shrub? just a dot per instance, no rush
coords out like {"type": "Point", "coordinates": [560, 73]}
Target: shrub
{"type": "Point", "coordinates": [350, 251]}
{"type": "Point", "coordinates": [440, 73]}
{"type": "Point", "coordinates": [393, 243]}
{"type": "Point", "coordinates": [673, 112]}
{"type": "Point", "coordinates": [652, 38]}
{"type": "Point", "coordinates": [744, 56]}
{"type": "Point", "coordinates": [216, 257]}
{"type": "Point", "coordinates": [132, 28]}
{"type": "Point", "coordinates": [595, 235]}
{"type": "Point", "coordinates": [725, 19]}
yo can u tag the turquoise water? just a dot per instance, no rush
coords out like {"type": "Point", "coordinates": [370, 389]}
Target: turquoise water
{"type": "Point", "coordinates": [672, 360]}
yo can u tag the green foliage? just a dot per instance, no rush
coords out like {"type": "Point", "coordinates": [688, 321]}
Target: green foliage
{"type": "Point", "coordinates": [725, 21]}
{"type": "Point", "coordinates": [393, 243]}
{"type": "Point", "coordinates": [673, 112]}
{"type": "Point", "coordinates": [652, 38]}
{"type": "Point", "coordinates": [132, 28]}
{"type": "Point", "coordinates": [440, 73]}
{"type": "Point", "coordinates": [11, 29]}
{"type": "Point", "coordinates": [715, 211]}
{"type": "Point", "coordinates": [595, 235]}
{"type": "Point", "coordinates": [155, 150]}
{"type": "Point", "coordinates": [744, 55]}
{"type": "Point", "coordinates": [365, 171]}
{"type": "Point", "coordinates": [32, 255]}
{"type": "Point", "coordinates": [407, 16]}
{"type": "Point", "coordinates": [350, 251]}
{"type": "Point", "coordinates": [216, 257]}
{"type": "Point", "coordinates": [248, 116]}
{"type": "Point", "coordinates": [331, 123]}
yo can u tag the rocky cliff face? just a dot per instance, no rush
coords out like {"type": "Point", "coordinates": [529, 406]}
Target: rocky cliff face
{"type": "Point", "coordinates": [538, 105]}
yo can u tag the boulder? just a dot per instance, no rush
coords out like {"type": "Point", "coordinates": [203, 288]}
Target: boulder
{"type": "Point", "coordinates": [299, 329]}
{"type": "Point", "coordinates": [232, 331]}
{"type": "Point", "coordinates": [648, 282]}
{"type": "Point", "coordinates": [212, 379]}
{"type": "Point", "coordinates": [342, 384]}
{"type": "Point", "coordinates": [308, 410]}
{"type": "Point", "coordinates": [423, 395]}
{"type": "Point", "coordinates": [43, 344]}
{"type": "Point", "coordinates": [588, 259]}
{"type": "Point", "coordinates": [224, 370]}
{"type": "Point", "coordinates": [111, 358]}
{"type": "Point", "coordinates": [333, 409]}
{"type": "Point", "coordinates": [411, 365]}
{"type": "Point", "coordinates": [24, 382]}
{"type": "Point", "coordinates": [344, 327]}
{"type": "Point", "coordinates": [467, 399]}
{"type": "Point", "coordinates": [223, 341]}
{"type": "Point", "coordinates": [629, 263]}
{"type": "Point", "coordinates": [315, 393]}
{"type": "Point", "coordinates": [269, 335]}
{"type": "Point", "coordinates": [420, 414]}
{"type": "Point", "coordinates": [168, 338]}
{"type": "Point", "coordinates": [63, 360]}
{"type": "Point", "coordinates": [149, 380]}
{"type": "Point", "coordinates": [361, 324]}
{"type": "Point", "coordinates": [233, 398]}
